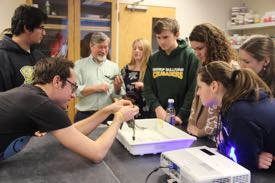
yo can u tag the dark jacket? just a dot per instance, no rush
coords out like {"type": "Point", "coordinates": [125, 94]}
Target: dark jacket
{"type": "Point", "coordinates": [172, 76]}
{"type": "Point", "coordinates": [248, 129]}
{"type": "Point", "coordinates": [16, 64]}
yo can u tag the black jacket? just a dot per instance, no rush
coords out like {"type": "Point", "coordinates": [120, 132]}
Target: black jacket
{"type": "Point", "coordinates": [248, 129]}
{"type": "Point", "coordinates": [16, 64]}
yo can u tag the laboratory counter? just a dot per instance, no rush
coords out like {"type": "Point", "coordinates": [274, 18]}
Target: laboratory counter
{"type": "Point", "coordinates": [46, 160]}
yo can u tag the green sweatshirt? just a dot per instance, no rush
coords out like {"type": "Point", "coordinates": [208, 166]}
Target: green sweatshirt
{"type": "Point", "coordinates": [172, 76]}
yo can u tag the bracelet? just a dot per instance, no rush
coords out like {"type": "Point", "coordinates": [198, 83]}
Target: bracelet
{"type": "Point", "coordinates": [120, 115]}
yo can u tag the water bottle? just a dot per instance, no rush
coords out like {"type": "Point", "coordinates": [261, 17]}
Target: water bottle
{"type": "Point", "coordinates": [170, 112]}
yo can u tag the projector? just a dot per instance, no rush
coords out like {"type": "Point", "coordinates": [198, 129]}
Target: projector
{"type": "Point", "coordinates": [202, 165]}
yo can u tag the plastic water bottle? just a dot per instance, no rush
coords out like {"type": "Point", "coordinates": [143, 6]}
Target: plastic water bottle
{"type": "Point", "coordinates": [170, 112]}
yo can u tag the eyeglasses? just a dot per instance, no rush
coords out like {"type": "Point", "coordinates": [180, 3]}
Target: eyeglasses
{"type": "Point", "coordinates": [73, 86]}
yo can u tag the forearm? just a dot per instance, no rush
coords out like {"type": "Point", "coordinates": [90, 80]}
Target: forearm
{"type": "Point", "coordinates": [87, 125]}
{"type": "Point", "coordinates": [105, 141]}
{"type": "Point", "coordinates": [88, 90]}
{"type": "Point", "coordinates": [160, 112]}
{"type": "Point", "coordinates": [72, 139]}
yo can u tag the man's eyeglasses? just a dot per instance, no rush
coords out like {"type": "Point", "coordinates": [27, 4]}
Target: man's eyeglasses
{"type": "Point", "coordinates": [73, 86]}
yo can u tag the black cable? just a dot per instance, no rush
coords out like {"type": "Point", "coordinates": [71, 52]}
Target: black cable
{"type": "Point", "coordinates": [155, 170]}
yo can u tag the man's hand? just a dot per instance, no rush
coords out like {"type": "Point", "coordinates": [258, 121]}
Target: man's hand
{"type": "Point", "coordinates": [102, 88]}
{"type": "Point", "coordinates": [118, 81]}
{"type": "Point", "coordinates": [117, 105]}
{"type": "Point", "coordinates": [128, 112]}
{"type": "Point", "coordinates": [265, 160]}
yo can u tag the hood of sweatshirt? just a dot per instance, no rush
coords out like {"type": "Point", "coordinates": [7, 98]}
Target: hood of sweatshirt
{"type": "Point", "coordinates": [181, 46]}
{"type": "Point", "coordinates": [9, 45]}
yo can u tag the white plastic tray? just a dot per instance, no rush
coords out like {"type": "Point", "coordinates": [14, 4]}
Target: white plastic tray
{"type": "Point", "coordinates": [158, 136]}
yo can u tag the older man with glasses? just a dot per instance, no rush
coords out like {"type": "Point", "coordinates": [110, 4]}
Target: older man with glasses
{"type": "Point", "coordinates": [99, 79]}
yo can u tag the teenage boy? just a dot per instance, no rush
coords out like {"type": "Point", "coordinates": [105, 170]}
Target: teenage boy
{"type": "Point", "coordinates": [171, 72]}
{"type": "Point", "coordinates": [17, 55]}
{"type": "Point", "coordinates": [40, 107]}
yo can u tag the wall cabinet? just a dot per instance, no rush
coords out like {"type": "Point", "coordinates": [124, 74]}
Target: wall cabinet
{"type": "Point", "coordinates": [69, 21]}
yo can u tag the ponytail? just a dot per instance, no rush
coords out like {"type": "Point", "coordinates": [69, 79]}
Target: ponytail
{"type": "Point", "coordinates": [239, 84]}
{"type": "Point", "coordinates": [245, 83]}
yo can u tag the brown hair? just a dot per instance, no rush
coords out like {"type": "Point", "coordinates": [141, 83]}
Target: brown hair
{"type": "Point", "coordinates": [218, 46]}
{"type": "Point", "coordinates": [46, 69]}
{"type": "Point", "coordinates": [241, 83]}
{"type": "Point", "coordinates": [261, 47]}
{"type": "Point", "coordinates": [169, 24]}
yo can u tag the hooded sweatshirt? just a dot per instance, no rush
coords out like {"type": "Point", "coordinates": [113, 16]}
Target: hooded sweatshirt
{"type": "Point", "coordinates": [172, 76]}
{"type": "Point", "coordinates": [248, 128]}
{"type": "Point", "coordinates": [16, 64]}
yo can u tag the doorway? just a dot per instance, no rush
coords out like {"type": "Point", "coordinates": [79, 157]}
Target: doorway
{"type": "Point", "coordinates": [135, 24]}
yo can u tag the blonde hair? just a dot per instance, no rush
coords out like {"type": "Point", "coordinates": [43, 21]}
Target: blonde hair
{"type": "Point", "coordinates": [146, 54]}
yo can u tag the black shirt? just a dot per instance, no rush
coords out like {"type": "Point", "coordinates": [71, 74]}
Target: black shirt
{"type": "Point", "coordinates": [23, 111]}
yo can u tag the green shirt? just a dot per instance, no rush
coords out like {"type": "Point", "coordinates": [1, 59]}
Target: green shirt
{"type": "Point", "coordinates": [172, 76]}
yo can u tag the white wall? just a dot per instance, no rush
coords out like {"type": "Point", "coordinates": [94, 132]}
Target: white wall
{"type": "Point", "coordinates": [188, 12]}
{"type": "Point", "coordinates": [166, 3]}
{"type": "Point", "coordinates": [7, 10]}
{"type": "Point", "coordinates": [192, 12]}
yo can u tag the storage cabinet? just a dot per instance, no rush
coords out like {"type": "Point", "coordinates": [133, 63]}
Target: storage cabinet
{"type": "Point", "coordinates": [69, 21]}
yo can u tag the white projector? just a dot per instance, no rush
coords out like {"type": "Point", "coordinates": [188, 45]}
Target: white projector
{"type": "Point", "coordinates": [202, 165]}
